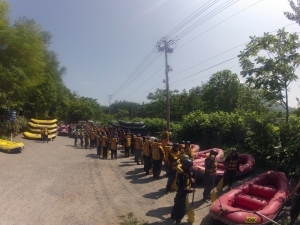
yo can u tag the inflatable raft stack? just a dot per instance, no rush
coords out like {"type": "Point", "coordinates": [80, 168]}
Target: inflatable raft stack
{"type": "Point", "coordinates": [10, 146]}
{"type": "Point", "coordinates": [34, 127]}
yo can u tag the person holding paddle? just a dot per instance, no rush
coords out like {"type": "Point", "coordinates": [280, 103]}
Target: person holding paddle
{"type": "Point", "coordinates": [184, 181]}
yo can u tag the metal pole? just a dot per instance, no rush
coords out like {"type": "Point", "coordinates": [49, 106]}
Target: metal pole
{"type": "Point", "coordinates": [167, 87]}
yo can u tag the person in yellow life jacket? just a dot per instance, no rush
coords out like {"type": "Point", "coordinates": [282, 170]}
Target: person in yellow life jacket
{"type": "Point", "coordinates": [138, 145]}
{"type": "Point", "coordinates": [188, 150]}
{"type": "Point", "coordinates": [147, 155]}
{"type": "Point", "coordinates": [184, 181]}
{"type": "Point", "coordinates": [127, 144]}
{"type": "Point", "coordinates": [158, 155]}
{"type": "Point", "coordinates": [167, 150]}
{"type": "Point", "coordinates": [45, 134]}
{"type": "Point", "coordinates": [209, 173]}
{"type": "Point", "coordinates": [232, 164]}
{"type": "Point", "coordinates": [99, 143]}
{"type": "Point", "coordinates": [113, 146]}
{"type": "Point", "coordinates": [132, 143]}
{"type": "Point", "coordinates": [182, 147]}
{"type": "Point", "coordinates": [173, 162]}
{"type": "Point", "coordinates": [93, 138]}
{"type": "Point", "coordinates": [86, 138]}
{"type": "Point", "coordinates": [165, 136]}
{"type": "Point", "coordinates": [104, 145]}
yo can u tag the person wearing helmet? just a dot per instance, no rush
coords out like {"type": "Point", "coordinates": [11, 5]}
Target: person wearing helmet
{"type": "Point", "coordinates": [165, 136]}
{"type": "Point", "coordinates": [232, 166]}
{"type": "Point", "coordinates": [158, 155]}
{"type": "Point", "coordinates": [210, 171]}
{"type": "Point", "coordinates": [188, 150]}
{"type": "Point", "coordinates": [184, 181]}
{"type": "Point", "coordinates": [147, 155]}
{"type": "Point", "coordinates": [127, 144]}
{"type": "Point", "coordinates": [138, 145]}
{"type": "Point", "coordinates": [172, 158]}
{"type": "Point", "coordinates": [104, 145]}
{"type": "Point", "coordinates": [182, 147]}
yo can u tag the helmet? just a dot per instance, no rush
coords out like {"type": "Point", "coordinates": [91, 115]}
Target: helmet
{"type": "Point", "coordinates": [213, 152]}
{"type": "Point", "coordinates": [187, 163]}
{"type": "Point", "coordinates": [156, 140]}
{"type": "Point", "coordinates": [175, 146]}
{"type": "Point", "coordinates": [182, 142]}
{"type": "Point", "coordinates": [187, 143]}
{"type": "Point", "coordinates": [233, 150]}
{"type": "Point", "coordinates": [138, 135]}
{"type": "Point", "coordinates": [183, 157]}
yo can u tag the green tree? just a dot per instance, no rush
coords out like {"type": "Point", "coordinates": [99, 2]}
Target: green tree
{"type": "Point", "coordinates": [121, 114]}
{"type": "Point", "coordinates": [293, 16]}
{"type": "Point", "coordinates": [221, 92]}
{"type": "Point", "coordinates": [274, 65]}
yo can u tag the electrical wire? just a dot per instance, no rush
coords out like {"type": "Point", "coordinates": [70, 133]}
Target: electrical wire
{"type": "Point", "coordinates": [136, 76]}
{"type": "Point", "coordinates": [207, 17]}
{"type": "Point", "coordinates": [208, 60]}
{"type": "Point", "coordinates": [220, 23]}
{"type": "Point", "coordinates": [143, 83]}
{"type": "Point", "coordinates": [128, 80]}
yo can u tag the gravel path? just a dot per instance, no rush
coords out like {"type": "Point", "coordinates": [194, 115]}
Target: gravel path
{"type": "Point", "coordinates": [57, 183]}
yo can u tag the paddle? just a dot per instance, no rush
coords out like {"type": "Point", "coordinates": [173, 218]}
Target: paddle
{"type": "Point", "coordinates": [220, 184]}
{"type": "Point", "coordinates": [213, 194]}
{"type": "Point", "coordinates": [191, 213]}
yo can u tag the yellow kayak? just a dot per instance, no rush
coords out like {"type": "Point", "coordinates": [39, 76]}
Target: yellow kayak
{"type": "Point", "coordinates": [34, 125]}
{"type": "Point", "coordinates": [37, 136]}
{"type": "Point", "coordinates": [10, 146]}
{"type": "Point", "coordinates": [38, 130]}
{"type": "Point", "coordinates": [43, 121]}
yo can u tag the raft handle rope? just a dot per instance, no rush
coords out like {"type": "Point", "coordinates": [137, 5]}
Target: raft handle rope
{"type": "Point", "coordinates": [255, 212]}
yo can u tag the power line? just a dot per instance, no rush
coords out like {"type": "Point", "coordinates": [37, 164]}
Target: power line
{"type": "Point", "coordinates": [135, 71]}
{"type": "Point", "coordinates": [220, 23]}
{"type": "Point", "coordinates": [136, 76]}
{"type": "Point", "coordinates": [207, 17]}
{"type": "Point", "coordinates": [144, 82]}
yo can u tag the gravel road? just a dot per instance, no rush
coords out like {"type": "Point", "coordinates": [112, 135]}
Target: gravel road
{"type": "Point", "coordinates": [57, 183]}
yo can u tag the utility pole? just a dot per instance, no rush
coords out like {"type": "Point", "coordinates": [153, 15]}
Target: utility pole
{"type": "Point", "coordinates": [109, 98]}
{"type": "Point", "coordinates": [166, 48]}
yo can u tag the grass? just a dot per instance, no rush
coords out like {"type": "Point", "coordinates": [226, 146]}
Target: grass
{"type": "Point", "coordinates": [130, 219]}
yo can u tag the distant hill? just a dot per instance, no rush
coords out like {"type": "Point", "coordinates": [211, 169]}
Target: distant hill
{"type": "Point", "coordinates": [280, 108]}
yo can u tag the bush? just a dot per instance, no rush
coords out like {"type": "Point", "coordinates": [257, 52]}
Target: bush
{"type": "Point", "coordinates": [15, 127]}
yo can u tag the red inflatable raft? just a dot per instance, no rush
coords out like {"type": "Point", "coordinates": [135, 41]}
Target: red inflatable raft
{"type": "Point", "coordinates": [199, 157]}
{"type": "Point", "coordinates": [247, 164]}
{"type": "Point", "coordinates": [256, 201]}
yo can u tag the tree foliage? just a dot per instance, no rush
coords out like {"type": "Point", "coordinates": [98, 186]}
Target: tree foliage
{"type": "Point", "coordinates": [273, 67]}
{"type": "Point", "coordinates": [293, 16]}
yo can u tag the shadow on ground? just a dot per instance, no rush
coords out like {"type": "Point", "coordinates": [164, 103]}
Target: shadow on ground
{"type": "Point", "coordinates": [155, 195]}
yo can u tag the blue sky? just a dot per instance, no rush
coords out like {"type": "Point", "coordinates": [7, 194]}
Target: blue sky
{"type": "Point", "coordinates": [103, 43]}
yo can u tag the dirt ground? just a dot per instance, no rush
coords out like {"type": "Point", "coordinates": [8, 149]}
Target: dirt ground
{"type": "Point", "coordinates": [57, 183]}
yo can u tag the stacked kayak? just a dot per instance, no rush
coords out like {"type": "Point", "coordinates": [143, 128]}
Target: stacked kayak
{"type": "Point", "coordinates": [34, 127]}
{"type": "Point", "coordinates": [256, 201]}
{"type": "Point", "coordinates": [10, 146]}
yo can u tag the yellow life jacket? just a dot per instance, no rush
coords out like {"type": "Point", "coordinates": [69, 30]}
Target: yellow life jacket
{"type": "Point", "coordinates": [167, 150]}
{"type": "Point", "coordinates": [146, 147]}
{"type": "Point", "coordinates": [232, 164]}
{"type": "Point", "coordinates": [179, 170]}
{"type": "Point", "coordinates": [174, 161]}
{"type": "Point", "coordinates": [128, 141]}
{"type": "Point", "coordinates": [113, 143]}
{"type": "Point", "coordinates": [155, 151]}
{"type": "Point", "coordinates": [165, 135]}
{"type": "Point", "coordinates": [211, 170]}
{"type": "Point", "coordinates": [138, 143]}
{"type": "Point", "coordinates": [46, 130]}
{"type": "Point", "coordinates": [92, 135]}
{"type": "Point", "coordinates": [104, 140]}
